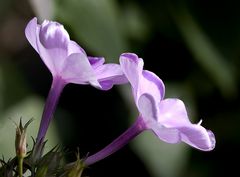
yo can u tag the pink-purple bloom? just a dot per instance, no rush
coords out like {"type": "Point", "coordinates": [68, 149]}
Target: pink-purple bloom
{"type": "Point", "coordinates": [67, 60]}
{"type": "Point", "coordinates": [68, 63]}
{"type": "Point", "coordinates": [167, 118]}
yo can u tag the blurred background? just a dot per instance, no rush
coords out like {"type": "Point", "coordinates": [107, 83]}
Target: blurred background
{"type": "Point", "coordinates": [193, 46]}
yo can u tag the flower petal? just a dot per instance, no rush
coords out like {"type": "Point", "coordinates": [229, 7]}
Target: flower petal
{"type": "Point", "coordinates": [149, 112]}
{"type": "Point", "coordinates": [31, 32]}
{"type": "Point", "coordinates": [147, 107]}
{"type": "Point", "coordinates": [198, 137]}
{"type": "Point", "coordinates": [109, 75]}
{"type": "Point", "coordinates": [48, 57]}
{"type": "Point", "coordinates": [53, 35]}
{"type": "Point", "coordinates": [142, 81]}
{"type": "Point", "coordinates": [152, 84]}
{"type": "Point", "coordinates": [73, 47]}
{"type": "Point", "coordinates": [173, 115]}
{"type": "Point", "coordinates": [77, 69]}
{"type": "Point", "coordinates": [132, 67]}
{"type": "Point", "coordinates": [32, 35]}
{"type": "Point", "coordinates": [169, 135]}
{"type": "Point", "coordinates": [52, 43]}
{"type": "Point", "coordinates": [96, 61]}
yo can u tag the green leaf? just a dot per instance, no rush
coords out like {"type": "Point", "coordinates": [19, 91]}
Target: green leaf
{"type": "Point", "coordinates": [50, 163]}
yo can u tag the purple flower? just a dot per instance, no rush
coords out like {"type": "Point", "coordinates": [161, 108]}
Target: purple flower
{"type": "Point", "coordinates": [68, 63]}
{"type": "Point", "coordinates": [167, 118]}
{"type": "Point", "coordinates": [67, 60]}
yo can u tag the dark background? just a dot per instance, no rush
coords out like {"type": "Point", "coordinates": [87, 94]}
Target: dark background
{"type": "Point", "coordinates": [193, 46]}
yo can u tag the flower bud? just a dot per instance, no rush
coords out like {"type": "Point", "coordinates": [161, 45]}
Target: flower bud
{"type": "Point", "coordinates": [75, 169]}
{"type": "Point", "coordinates": [21, 139]}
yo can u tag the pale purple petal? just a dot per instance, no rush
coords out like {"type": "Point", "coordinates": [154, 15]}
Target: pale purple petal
{"type": "Point", "coordinates": [32, 35]}
{"type": "Point", "coordinates": [77, 69]}
{"type": "Point", "coordinates": [31, 32]}
{"type": "Point", "coordinates": [53, 35]}
{"type": "Point", "coordinates": [169, 135]}
{"type": "Point", "coordinates": [50, 40]}
{"type": "Point", "coordinates": [109, 75]}
{"type": "Point", "coordinates": [96, 61]}
{"type": "Point", "coordinates": [106, 85]}
{"type": "Point", "coordinates": [48, 58]}
{"type": "Point", "coordinates": [151, 84]}
{"type": "Point", "coordinates": [173, 115]}
{"type": "Point", "coordinates": [109, 83]}
{"type": "Point", "coordinates": [141, 81]}
{"type": "Point", "coordinates": [151, 77]}
{"type": "Point", "coordinates": [132, 67]}
{"type": "Point", "coordinates": [52, 44]}
{"type": "Point", "coordinates": [198, 137]}
{"type": "Point", "coordinates": [73, 47]}
{"type": "Point", "coordinates": [171, 124]}
{"type": "Point", "coordinates": [148, 109]}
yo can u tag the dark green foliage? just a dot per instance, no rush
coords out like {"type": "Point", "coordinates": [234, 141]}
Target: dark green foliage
{"type": "Point", "coordinates": [49, 165]}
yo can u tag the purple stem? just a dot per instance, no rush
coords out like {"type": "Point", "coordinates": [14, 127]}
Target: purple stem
{"type": "Point", "coordinates": [50, 105]}
{"type": "Point", "coordinates": [118, 143]}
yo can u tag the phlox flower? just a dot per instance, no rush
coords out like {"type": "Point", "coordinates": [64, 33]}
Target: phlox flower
{"type": "Point", "coordinates": [68, 63]}
{"type": "Point", "coordinates": [167, 118]}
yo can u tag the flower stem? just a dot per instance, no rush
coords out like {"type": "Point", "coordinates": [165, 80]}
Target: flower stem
{"type": "Point", "coordinates": [118, 143]}
{"type": "Point", "coordinates": [20, 166]}
{"type": "Point", "coordinates": [53, 96]}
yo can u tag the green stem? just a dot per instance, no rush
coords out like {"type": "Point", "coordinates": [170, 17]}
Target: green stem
{"type": "Point", "coordinates": [20, 166]}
